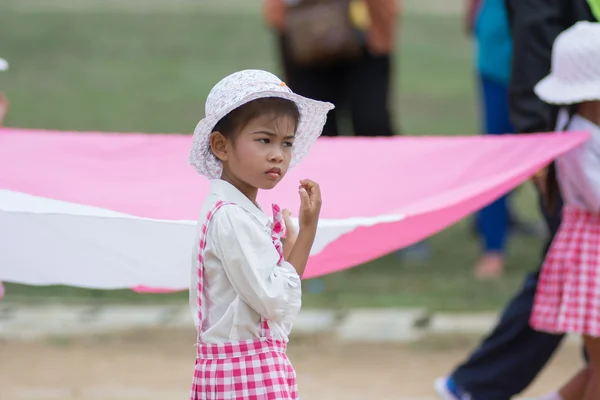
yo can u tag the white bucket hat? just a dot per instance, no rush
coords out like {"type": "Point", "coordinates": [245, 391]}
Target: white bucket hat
{"type": "Point", "coordinates": [240, 88]}
{"type": "Point", "coordinates": [575, 75]}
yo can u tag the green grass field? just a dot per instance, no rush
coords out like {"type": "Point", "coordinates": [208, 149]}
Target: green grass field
{"type": "Point", "coordinates": [117, 70]}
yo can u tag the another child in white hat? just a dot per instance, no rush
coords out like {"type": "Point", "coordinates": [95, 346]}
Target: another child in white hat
{"type": "Point", "coordinates": [568, 294]}
{"type": "Point", "coordinates": [246, 289]}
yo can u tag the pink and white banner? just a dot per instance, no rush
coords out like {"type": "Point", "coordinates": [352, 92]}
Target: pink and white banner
{"type": "Point", "coordinates": [107, 210]}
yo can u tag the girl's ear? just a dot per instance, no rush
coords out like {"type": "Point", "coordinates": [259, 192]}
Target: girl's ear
{"type": "Point", "coordinates": [218, 145]}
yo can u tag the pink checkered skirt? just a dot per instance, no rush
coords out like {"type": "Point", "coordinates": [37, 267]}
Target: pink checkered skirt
{"type": "Point", "coordinates": [251, 370]}
{"type": "Point", "coordinates": [568, 293]}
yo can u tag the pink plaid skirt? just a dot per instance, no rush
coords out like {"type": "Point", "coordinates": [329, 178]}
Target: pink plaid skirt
{"type": "Point", "coordinates": [251, 370]}
{"type": "Point", "coordinates": [568, 293]}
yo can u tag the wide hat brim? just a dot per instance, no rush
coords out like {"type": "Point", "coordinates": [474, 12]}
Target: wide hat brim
{"type": "Point", "coordinates": [553, 90]}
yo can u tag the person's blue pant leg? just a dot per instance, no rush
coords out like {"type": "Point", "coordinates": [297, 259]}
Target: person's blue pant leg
{"type": "Point", "coordinates": [493, 220]}
{"type": "Point", "coordinates": [510, 358]}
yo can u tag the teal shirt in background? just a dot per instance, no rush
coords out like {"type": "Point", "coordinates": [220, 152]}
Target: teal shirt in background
{"type": "Point", "coordinates": [493, 41]}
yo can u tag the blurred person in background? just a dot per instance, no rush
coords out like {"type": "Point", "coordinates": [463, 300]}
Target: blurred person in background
{"type": "Point", "coordinates": [340, 51]}
{"type": "Point", "coordinates": [513, 354]}
{"type": "Point", "coordinates": [487, 21]}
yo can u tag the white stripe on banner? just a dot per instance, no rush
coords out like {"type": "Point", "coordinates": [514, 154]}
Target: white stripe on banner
{"type": "Point", "coordinates": [45, 241]}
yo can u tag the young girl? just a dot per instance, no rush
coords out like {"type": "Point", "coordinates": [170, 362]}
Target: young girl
{"type": "Point", "coordinates": [568, 294]}
{"type": "Point", "coordinates": [246, 289]}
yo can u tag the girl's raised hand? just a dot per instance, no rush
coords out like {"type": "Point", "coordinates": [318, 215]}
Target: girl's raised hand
{"type": "Point", "coordinates": [310, 203]}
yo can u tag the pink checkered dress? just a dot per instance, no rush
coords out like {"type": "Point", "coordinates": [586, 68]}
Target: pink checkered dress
{"type": "Point", "coordinates": [256, 369]}
{"type": "Point", "coordinates": [568, 293]}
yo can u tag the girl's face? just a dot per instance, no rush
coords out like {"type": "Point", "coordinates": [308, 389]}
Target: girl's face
{"type": "Point", "coordinates": [259, 156]}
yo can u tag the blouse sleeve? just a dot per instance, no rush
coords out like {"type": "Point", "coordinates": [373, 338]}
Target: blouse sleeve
{"type": "Point", "coordinates": [250, 261]}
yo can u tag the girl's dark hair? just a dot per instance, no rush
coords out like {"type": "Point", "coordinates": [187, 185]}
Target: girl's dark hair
{"type": "Point", "coordinates": [231, 124]}
{"type": "Point", "coordinates": [552, 188]}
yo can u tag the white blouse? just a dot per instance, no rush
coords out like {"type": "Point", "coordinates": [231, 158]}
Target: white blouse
{"type": "Point", "coordinates": [242, 280]}
{"type": "Point", "coordinates": [578, 170]}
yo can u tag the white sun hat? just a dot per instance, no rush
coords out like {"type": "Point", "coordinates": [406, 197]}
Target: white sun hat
{"type": "Point", "coordinates": [240, 88]}
{"type": "Point", "coordinates": [575, 75]}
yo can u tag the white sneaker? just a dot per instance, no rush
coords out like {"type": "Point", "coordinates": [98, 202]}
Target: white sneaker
{"type": "Point", "coordinates": [441, 388]}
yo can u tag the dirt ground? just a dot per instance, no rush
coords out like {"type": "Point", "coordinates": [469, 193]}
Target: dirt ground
{"type": "Point", "coordinates": [158, 365]}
